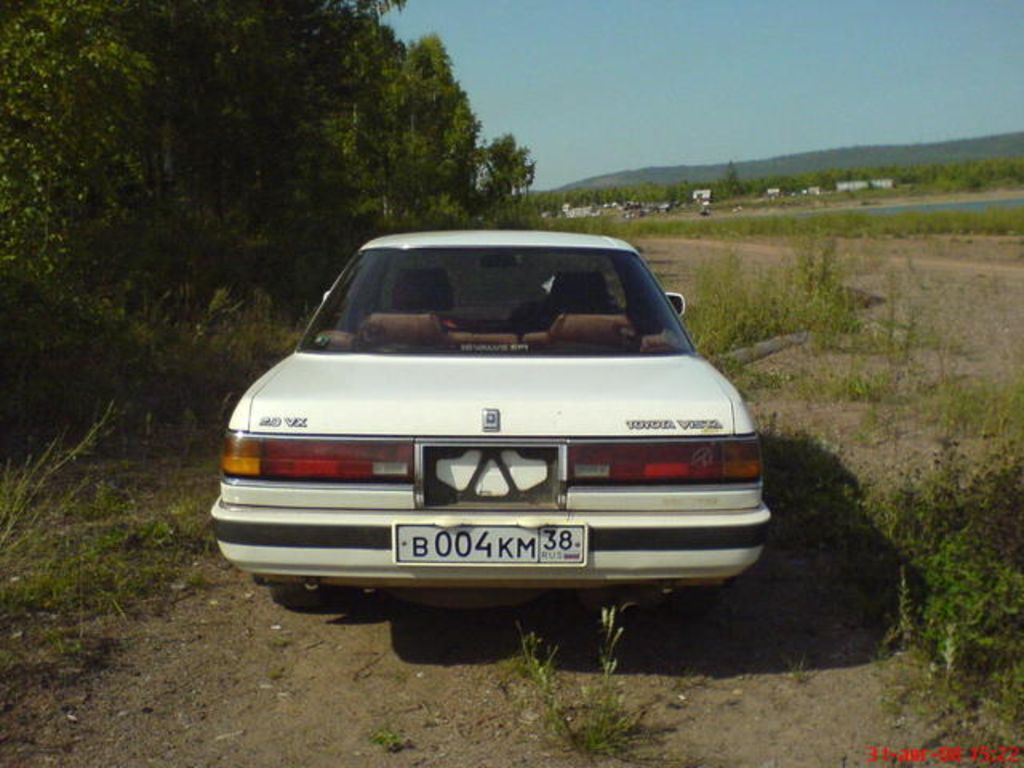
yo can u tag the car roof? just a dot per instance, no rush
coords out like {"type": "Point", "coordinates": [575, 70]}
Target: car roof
{"type": "Point", "coordinates": [497, 238]}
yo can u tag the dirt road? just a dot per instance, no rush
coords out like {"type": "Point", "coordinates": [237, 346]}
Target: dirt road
{"type": "Point", "coordinates": [225, 678]}
{"type": "Point", "coordinates": [780, 674]}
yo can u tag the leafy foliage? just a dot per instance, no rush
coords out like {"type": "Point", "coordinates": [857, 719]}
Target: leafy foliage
{"type": "Point", "coordinates": [960, 530]}
{"type": "Point", "coordinates": [70, 84]}
{"type": "Point", "coordinates": [735, 306]}
{"type": "Point", "coordinates": [154, 154]}
{"type": "Point", "coordinates": [940, 558]}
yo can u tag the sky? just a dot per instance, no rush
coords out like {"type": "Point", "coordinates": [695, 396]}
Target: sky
{"type": "Point", "coordinates": [598, 86]}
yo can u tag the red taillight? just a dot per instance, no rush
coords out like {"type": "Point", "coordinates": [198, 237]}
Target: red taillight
{"type": "Point", "coordinates": [301, 459]}
{"type": "Point", "coordinates": [689, 461]}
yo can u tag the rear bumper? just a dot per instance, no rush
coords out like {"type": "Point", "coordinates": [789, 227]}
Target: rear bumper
{"type": "Point", "coordinates": [355, 546]}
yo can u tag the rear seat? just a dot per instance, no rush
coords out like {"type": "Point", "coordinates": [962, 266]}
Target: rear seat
{"type": "Point", "coordinates": [383, 329]}
{"type": "Point", "coordinates": [426, 330]}
{"type": "Point", "coordinates": [607, 330]}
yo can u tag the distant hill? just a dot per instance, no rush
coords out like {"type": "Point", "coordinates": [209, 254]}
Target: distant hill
{"type": "Point", "coordinates": [987, 147]}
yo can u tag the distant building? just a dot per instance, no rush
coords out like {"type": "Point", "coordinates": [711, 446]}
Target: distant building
{"type": "Point", "coordinates": [773, 192]}
{"type": "Point", "coordinates": [583, 212]}
{"type": "Point", "coordinates": [702, 195]}
{"type": "Point", "coordinates": [882, 184]}
{"type": "Point", "coordinates": [812, 191]}
{"type": "Point", "coordinates": [851, 186]}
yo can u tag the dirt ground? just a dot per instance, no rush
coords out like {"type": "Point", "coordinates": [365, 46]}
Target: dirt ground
{"type": "Point", "coordinates": [779, 674]}
{"type": "Point", "coordinates": [960, 298]}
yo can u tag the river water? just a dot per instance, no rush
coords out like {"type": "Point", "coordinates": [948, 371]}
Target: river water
{"type": "Point", "coordinates": [969, 205]}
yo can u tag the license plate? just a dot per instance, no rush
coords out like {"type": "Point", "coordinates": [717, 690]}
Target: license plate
{"type": "Point", "coordinates": [491, 545]}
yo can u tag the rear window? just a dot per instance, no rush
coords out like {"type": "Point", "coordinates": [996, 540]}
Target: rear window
{"type": "Point", "coordinates": [496, 301]}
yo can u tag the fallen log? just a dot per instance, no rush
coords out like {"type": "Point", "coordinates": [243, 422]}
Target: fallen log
{"type": "Point", "coordinates": [745, 355]}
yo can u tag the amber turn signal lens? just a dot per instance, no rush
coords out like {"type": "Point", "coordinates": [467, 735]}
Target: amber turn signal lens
{"type": "Point", "coordinates": [285, 458]}
{"type": "Point", "coordinates": [742, 459]}
{"type": "Point", "coordinates": [241, 456]}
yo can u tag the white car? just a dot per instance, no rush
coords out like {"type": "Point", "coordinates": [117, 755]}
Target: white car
{"type": "Point", "coordinates": [498, 411]}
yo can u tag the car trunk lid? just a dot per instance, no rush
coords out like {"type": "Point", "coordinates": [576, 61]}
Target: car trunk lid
{"type": "Point", "coordinates": [480, 396]}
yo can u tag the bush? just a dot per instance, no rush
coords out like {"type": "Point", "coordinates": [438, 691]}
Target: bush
{"type": "Point", "coordinates": [167, 361]}
{"type": "Point", "coordinates": [74, 547]}
{"type": "Point", "coordinates": [194, 363]}
{"type": "Point", "coordinates": [940, 559]}
{"type": "Point", "coordinates": [70, 552]}
{"type": "Point", "coordinates": [962, 534]}
{"type": "Point", "coordinates": [734, 306]}
{"type": "Point", "coordinates": [982, 408]}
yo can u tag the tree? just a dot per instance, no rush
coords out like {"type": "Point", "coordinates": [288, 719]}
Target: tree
{"type": "Point", "coordinates": [155, 152]}
{"type": "Point", "coordinates": [731, 186]}
{"type": "Point", "coordinates": [506, 170]}
{"type": "Point", "coordinates": [437, 143]}
{"type": "Point", "coordinates": [70, 89]}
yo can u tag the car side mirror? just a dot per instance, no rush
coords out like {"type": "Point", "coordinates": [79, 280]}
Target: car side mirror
{"type": "Point", "coordinates": [677, 301]}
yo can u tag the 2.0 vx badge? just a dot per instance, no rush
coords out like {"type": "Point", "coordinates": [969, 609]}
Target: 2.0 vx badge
{"type": "Point", "coordinates": [295, 422]}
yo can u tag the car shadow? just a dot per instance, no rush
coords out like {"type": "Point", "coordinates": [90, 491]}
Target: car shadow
{"type": "Point", "coordinates": [814, 601]}
{"type": "Point", "coordinates": [780, 616]}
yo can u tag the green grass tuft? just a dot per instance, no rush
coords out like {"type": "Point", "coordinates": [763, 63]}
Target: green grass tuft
{"type": "Point", "coordinates": [993, 410]}
{"type": "Point", "coordinates": [26, 489]}
{"type": "Point", "coordinates": [598, 722]}
{"type": "Point", "coordinates": [79, 542]}
{"type": "Point", "coordinates": [735, 306]}
{"type": "Point", "coordinates": [388, 739]}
